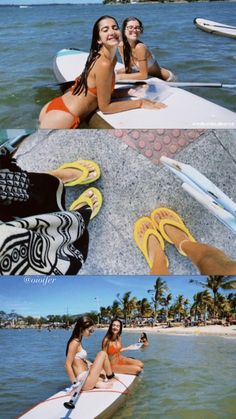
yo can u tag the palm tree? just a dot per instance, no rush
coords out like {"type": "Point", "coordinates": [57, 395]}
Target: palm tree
{"type": "Point", "coordinates": [202, 302]}
{"type": "Point", "coordinates": [115, 309]}
{"type": "Point", "coordinates": [179, 306]}
{"type": "Point", "coordinates": [158, 291]}
{"type": "Point", "coordinates": [214, 283]}
{"type": "Point", "coordinates": [144, 308]}
{"type": "Point", "coordinates": [128, 304]}
{"type": "Point", "coordinates": [165, 302]}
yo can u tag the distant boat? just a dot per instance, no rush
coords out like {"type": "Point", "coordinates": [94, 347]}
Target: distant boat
{"type": "Point", "coordinates": [23, 7]}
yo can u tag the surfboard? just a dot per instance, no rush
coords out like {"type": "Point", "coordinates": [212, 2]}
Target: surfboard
{"type": "Point", "coordinates": [204, 191]}
{"type": "Point", "coordinates": [96, 403]}
{"type": "Point", "coordinates": [215, 27]}
{"type": "Point", "coordinates": [184, 109]}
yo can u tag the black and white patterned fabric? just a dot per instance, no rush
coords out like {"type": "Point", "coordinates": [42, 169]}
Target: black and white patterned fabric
{"type": "Point", "coordinates": [48, 244]}
{"type": "Point", "coordinates": [37, 234]}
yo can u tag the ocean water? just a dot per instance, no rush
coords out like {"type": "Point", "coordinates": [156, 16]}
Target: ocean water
{"type": "Point", "coordinates": [30, 38]}
{"type": "Point", "coordinates": [184, 376]}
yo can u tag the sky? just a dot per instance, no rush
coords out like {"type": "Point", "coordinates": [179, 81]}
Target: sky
{"type": "Point", "coordinates": [27, 2]}
{"type": "Point", "coordinates": [41, 296]}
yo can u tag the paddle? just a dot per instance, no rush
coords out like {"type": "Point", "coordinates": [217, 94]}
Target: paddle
{"type": "Point", "coordinates": [67, 84]}
{"type": "Point", "coordinates": [71, 403]}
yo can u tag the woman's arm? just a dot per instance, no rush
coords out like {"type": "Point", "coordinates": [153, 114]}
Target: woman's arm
{"type": "Point", "coordinates": [73, 348]}
{"type": "Point", "coordinates": [141, 54]}
{"type": "Point", "coordinates": [104, 77]}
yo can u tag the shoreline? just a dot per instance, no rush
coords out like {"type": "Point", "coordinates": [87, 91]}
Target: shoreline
{"type": "Point", "coordinates": [211, 330]}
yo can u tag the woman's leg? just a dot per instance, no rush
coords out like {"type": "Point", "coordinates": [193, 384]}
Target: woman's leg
{"type": "Point", "coordinates": [155, 252]}
{"type": "Point", "coordinates": [208, 259]}
{"type": "Point", "coordinates": [126, 369]}
{"type": "Point", "coordinates": [101, 362]}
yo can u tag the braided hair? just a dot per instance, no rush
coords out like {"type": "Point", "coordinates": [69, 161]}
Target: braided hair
{"type": "Point", "coordinates": [81, 83]}
{"type": "Point", "coordinates": [127, 47]}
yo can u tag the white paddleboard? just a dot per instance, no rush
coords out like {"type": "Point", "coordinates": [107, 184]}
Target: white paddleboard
{"type": "Point", "coordinates": [97, 403]}
{"type": "Point", "coordinates": [204, 191]}
{"type": "Point", "coordinates": [215, 27]}
{"type": "Point", "coordinates": [184, 109]}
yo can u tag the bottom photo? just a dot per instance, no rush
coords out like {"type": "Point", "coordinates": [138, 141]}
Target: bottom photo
{"type": "Point", "coordinates": [118, 346]}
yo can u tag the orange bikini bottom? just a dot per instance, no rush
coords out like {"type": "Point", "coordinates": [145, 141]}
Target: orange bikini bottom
{"type": "Point", "coordinates": [58, 104]}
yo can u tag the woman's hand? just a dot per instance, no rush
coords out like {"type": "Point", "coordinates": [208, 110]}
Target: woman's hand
{"type": "Point", "coordinates": [150, 104]}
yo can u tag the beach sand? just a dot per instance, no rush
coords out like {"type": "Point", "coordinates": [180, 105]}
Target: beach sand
{"type": "Point", "coordinates": [211, 330]}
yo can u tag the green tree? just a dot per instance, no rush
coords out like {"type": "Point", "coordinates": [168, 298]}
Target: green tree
{"type": "Point", "coordinates": [127, 304]}
{"type": "Point", "coordinates": [157, 294]}
{"type": "Point", "coordinates": [214, 283]}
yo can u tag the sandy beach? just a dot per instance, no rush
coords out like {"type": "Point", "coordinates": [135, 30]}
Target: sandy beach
{"type": "Point", "coordinates": [211, 330]}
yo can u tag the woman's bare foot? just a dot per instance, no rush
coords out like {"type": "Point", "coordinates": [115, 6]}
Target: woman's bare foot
{"type": "Point", "coordinates": [153, 246]}
{"type": "Point", "coordinates": [104, 384]}
{"type": "Point", "coordinates": [176, 235]}
{"type": "Point", "coordinates": [70, 174]}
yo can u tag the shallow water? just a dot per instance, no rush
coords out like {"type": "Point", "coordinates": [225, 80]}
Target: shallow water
{"type": "Point", "coordinates": [35, 34]}
{"type": "Point", "coordinates": [184, 376]}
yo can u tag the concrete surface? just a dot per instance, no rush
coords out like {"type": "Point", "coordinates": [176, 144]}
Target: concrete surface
{"type": "Point", "coordinates": [133, 183]}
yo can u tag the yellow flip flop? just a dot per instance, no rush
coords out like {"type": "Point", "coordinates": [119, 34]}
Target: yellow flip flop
{"type": "Point", "coordinates": [83, 178]}
{"type": "Point", "coordinates": [84, 198]}
{"type": "Point", "coordinates": [150, 231]}
{"type": "Point", "coordinates": [176, 223]}
{"type": "Point", "coordinates": [96, 169]}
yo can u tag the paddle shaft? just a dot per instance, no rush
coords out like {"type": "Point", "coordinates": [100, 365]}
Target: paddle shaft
{"type": "Point", "coordinates": [219, 26]}
{"type": "Point", "coordinates": [67, 84]}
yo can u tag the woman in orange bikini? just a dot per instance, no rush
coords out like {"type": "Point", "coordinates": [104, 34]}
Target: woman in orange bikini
{"type": "Point", "coordinates": [113, 346]}
{"type": "Point", "coordinates": [94, 88]}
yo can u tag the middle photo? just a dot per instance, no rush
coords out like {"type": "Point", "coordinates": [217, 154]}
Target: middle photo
{"type": "Point", "coordinates": [136, 202]}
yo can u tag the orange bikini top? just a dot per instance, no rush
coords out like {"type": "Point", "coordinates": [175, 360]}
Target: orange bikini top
{"type": "Point", "coordinates": [93, 90]}
{"type": "Point", "coordinates": [112, 349]}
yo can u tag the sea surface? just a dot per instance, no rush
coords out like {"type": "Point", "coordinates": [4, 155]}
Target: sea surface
{"type": "Point", "coordinates": [30, 37]}
{"type": "Point", "coordinates": [185, 377]}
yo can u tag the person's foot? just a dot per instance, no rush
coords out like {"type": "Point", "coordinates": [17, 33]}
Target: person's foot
{"type": "Point", "coordinates": [153, 245]}
{"type": "Point", "coordinates": [176, 235]}
{"type": "Point", "coordinates": [70, 174]}
{"type": "Point", "coordinates": [93, 198]}
{"type": "Point", "coordinates": [106, 384]}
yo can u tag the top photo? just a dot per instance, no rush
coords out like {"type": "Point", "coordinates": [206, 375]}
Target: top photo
{"type": "Point", "coordinates": [117, 64]}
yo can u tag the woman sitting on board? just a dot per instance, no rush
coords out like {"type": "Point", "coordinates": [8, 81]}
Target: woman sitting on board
{"type": "Point", "coordinates": [79, 369]}
{"type": "Point", "coordinates": [94, 87]}
{"type": "Point", "coordinates": [139, 62]}
{"type": "Point", "coordinates": [113, 346]}
{"type": "Point", "coordinates": [143, 339]}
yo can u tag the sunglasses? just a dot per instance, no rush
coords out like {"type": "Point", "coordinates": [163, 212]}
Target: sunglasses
{"type": "Point", "coordinates": [131, 28]}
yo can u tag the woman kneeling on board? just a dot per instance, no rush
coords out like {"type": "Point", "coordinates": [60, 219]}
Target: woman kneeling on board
{"type": "Point", "coordinates": [139, 62]}
{"type": "Point", "coordinates": [78, 368]}
{"type": "Point", "coordinates": [94, 88]}
{"type": "Point", "coordinates": [113, 346]}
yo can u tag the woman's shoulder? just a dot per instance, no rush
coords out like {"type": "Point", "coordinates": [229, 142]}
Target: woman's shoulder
{"type": "Point", "coordinates": [140, 46]}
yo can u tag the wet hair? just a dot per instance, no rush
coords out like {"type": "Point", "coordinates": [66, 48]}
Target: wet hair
{"type": "Point", "coordinates": [109, 333]}
{"type": "Point", "coordinates": [127, 48]}
{"type": "Point", "coordinates": [144, 336]}
{"type": "Point", "coordinates": [81, 83]}
{"type": "Point", "coordinates": [83, 322]}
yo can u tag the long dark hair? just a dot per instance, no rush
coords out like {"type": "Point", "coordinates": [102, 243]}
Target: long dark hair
{"type": "Point", "coordinates": [82, 323]}
{"type": "Point", "coordinates": [81, 84]}
{"type": "Point", "coordinates": [127, 48]}
{"type": "Point", "coordinates": [109, 333]}
{"type": "Point", "coordinates": [144, 336]}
